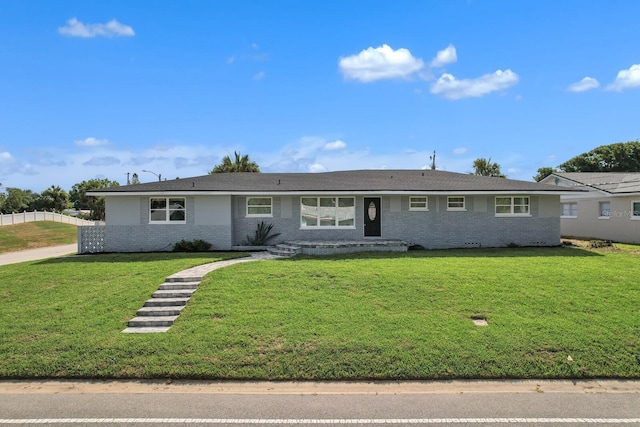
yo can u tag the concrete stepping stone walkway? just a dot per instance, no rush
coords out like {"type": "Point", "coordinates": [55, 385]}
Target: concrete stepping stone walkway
{"type": "Point", "coordinates": [159, 312]}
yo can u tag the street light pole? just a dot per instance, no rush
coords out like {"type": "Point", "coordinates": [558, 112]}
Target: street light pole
{"type": "Point", "coordinates": [156, 174]}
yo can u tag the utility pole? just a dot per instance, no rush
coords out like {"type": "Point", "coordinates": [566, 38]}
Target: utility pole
{"type": "Point", "coordinates": [433, 160]}
{"type": "Point", "coordinates": [128, 182]}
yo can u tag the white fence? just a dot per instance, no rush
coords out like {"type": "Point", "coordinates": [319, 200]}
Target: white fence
{"type": "Point", "coordinates": [19, 218]}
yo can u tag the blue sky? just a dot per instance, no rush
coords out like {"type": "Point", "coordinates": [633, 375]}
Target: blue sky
{"type": "Point", "coordinates": [96, 89]}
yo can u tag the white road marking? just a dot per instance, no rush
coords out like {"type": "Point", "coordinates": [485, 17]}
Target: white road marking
{"type": "Point", "coordinates": [320, 421]}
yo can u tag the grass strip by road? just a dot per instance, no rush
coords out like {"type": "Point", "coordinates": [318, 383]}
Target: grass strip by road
{"type": "Point", "coordinates": [551, 313]}
{"type": "Point", "coordinates": [39, 234]}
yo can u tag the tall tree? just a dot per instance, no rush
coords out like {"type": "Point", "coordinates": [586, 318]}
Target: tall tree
{"type": "Point", "coordinates": [239, 164]}
{"type": "Point", "coordinates": [485, 167]}
{"type": "Point", "coordinates": [54, 198]}
{"type": "Point", "coordinates": [18, 200]}
{"type": "Point", "coordinates": [95, 205]}
{"type": "Point", "coordinates": [544, 172]}
{"type": "Point", "coordinates": [617, 157]}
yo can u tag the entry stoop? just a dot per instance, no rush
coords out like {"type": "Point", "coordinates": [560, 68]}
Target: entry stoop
{"type": "Point", "coordinates": [285, 250]}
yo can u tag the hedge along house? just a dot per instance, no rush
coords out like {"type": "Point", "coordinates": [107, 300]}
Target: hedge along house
{"type": "Point", "coordinates": [431, 208]}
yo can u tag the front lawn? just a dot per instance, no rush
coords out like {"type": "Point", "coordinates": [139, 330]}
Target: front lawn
{"type": "Point", "coordinates": [39, 234]}
{"type": "Point", "coordinates": [551, 313]}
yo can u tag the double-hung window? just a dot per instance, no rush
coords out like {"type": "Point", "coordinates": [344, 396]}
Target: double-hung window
{"type": "Point", "coordinates": [259, 206]}
{"type": "Point", "coordinates": [570, 209]}
{"type": "Point", "coordinates": [418, 203]}
{"type": "Point", "coordinates": [635, 210]}
{"type": "Point", "coordinates": [327, 212]}
{"type": "Point", "coordinates": [455, 203]}
{"type": "Point", "coordinates": [513, 206]}
{"type": "Point", "coordinates": [604, 210]}
{"type": "Point", "coordinates": [167, 210]}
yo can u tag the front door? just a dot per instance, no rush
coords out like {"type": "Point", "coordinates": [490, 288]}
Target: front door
{"type": "Point", "coordinates": [372, 217]}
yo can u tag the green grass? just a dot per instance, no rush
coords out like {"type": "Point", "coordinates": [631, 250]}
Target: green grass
{"type": "Point", "coordinates": [552, 313]}
{"type": "Point", "coordinates": [39, 234]}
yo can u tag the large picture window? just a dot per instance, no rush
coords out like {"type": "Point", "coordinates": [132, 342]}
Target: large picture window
{"type": "Point", "coordinates": [326, 212]}
{"type": "Point", "coordinates": [167, 210]}
{"type": "Point", "coordinates": [259, 206]}
{"type": "Point", "coordinates": [518, 205]}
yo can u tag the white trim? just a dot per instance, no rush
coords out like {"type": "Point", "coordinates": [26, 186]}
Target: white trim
{"type": "Point", "coordinates": [246, 207]}
{"type": "Point", "coordinates": [329, 227]}
{"type": "Point", "coordinates": [632, 216]}
{"type": "Point", "coordinates": [464, 204]}
{"type": "Point", "coordinates": [512, 214]}
{"type": "Point", "coordinates": [568, 216]}
{"type": "Point", "coordinates": [168, 210]}
{"type": "Point", "coordinates": [337, 193]}
{"type": "Point", "coordinates": [419, 209]}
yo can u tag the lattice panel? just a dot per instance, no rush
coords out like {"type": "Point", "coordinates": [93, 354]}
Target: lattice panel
{"type": "Point", "coordinates": [92, 239]}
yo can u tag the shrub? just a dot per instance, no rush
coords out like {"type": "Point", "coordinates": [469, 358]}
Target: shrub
{"type": "Point", "coordinates": [192, 246]}
{"type": "Point", "coordinates": [261, 235]}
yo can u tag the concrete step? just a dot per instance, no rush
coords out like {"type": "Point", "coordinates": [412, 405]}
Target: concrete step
{"type": "Point", "coordinates": [146, 330]}
{"type": "Point", "coordinates": [277, 252]}
{"type": "Point", "coordinates": [151, 321]}
{"type": "Point", "coordinates": [172, 310]}
{"type": "Point", "coordinates": [173, 286]}
{"type": "Point", "coordinates": [178, 279]}
{"type": "Point", "coordinates": [184, 293]}
{"type": "Point", "coordinates": [284, 246]}
{"type": "Point", "coordinates": [166, 302]}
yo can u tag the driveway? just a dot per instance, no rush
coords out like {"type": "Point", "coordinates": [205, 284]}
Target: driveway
{"type": "Point", "coordinates": [36, 254]}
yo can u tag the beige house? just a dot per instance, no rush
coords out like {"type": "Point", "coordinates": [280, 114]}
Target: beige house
{"type": "Point", "coordinates": [609, 210]}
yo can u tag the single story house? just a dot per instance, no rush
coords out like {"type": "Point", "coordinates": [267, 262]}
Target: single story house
{"type": "Point", "coordinates": [431, 208]}
{"type": "Point", "coordinates": [608, 209]}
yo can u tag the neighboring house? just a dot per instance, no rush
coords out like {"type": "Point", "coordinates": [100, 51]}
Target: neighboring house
{"type": "Point", "coordinates": [434, 209]}
{"type": "Point", "coordinates": [608, 210]}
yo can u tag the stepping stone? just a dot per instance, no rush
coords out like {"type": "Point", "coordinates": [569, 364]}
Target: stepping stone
{"type": "Point", "coordinates": [172, 286]}
{"type": "Point", "coordinates": [172, 310]}
{"type": "Point", "coordinates": [152, 321]}
{"type": "Point", "coordinates": [146, 330]}
{"type": "Point", "coordinates": [165, 302]}
{"type": "Point", "coordinates": [185, 293]}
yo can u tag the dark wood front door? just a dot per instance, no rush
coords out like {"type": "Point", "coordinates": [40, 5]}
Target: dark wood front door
{"type": "Point", "coordinates": [372, 217]}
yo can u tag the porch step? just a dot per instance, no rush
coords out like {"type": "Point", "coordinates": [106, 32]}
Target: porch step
{"type": "Point", "coordinates": [151, 321]}
{"type": "Point", "coordinates": [179, 293]}
{"type": "Point", "coordinates": [284, 250]}
{"type": "Point", "coordinates": [175, 286]}
{"type": "Point", "coordinates": [166, 302]}
{"type": "Point", "coordinates": [172, 310]}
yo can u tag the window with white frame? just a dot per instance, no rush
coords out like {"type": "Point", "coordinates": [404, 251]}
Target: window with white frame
{"type": "Point", "coordinates": [167, 210]}
{"type": "Point", "coordinates": [455, 203]}
{"type": "Point", "coordinates": [570, 209]}
{"type": "Point", "coordinates": [516, 205]}
{"type": "Point", "coordinates": [259, 206]}
{"type": "Point", "coordinates": [327, 212]}
{"type": "Point", "coordinates": [635, 210]}
{"type": "Point", "coordinates": [604, 210]}
{"type": "Point", "coordinates": [418, 203]}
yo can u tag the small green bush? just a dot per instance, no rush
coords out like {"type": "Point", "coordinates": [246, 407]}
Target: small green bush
{"type": "Point", "coordinates": [192, 246]}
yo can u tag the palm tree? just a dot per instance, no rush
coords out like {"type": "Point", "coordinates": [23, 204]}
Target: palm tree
{"type": "Point", "coordinates": [485, 167]}
{"type": "Point", "coordinates": [56, 198]}
{"type": "Point", "coordinates": [239, 164]}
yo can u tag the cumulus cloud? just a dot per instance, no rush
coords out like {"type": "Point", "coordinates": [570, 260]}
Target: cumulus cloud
{"type": "Point", "coordinates": [451, 88]}
{"type": "Point", "coordinates": [584, 85]}
{"type": "Point", "coordinates": [379, 63]}
{"type": "Point", "coordinates": [91, 142]}
{"type": "Point", "coordinates": [459, 150]}
{"type": "Point", "coordinates": [335, 145]}
{"type": "Point", "coordinates": [317, 167]}
{"type": "Point", "coordinates": [626, 79]}
{"type": "Point", "coordinates": [5, 156]}
{"type": "Point", "coordinates": [113, 28]}
{"type": "Point", "coordinates": [444, 57]}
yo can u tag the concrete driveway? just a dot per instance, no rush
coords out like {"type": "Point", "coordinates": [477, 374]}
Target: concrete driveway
{"type": "Point", "coordinates": [36, 254]}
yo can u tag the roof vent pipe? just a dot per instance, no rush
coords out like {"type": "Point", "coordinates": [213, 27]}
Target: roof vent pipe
{"type": "Point", "coordinates": [278, 182]}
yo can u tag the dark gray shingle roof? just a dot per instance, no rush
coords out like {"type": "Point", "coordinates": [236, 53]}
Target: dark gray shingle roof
{"type": "Point", "coordinates": [351, 181]}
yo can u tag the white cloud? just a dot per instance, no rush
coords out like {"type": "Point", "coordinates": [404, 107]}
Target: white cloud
{"type": "Point", "coordinates": [316, 167]}
{"type": "Point", "coordinates": [5, 155]}
{"type": "Point", "coordinates": [626, 79]}
{"type": "Point", "coordinates": [444, 57]}
{"type": "Point", "coordinates": [91, 142]}
{"type": "Point", "coordinates": [379, 63]}
{"type": "Point", "coordinates": [460, 150]}
{"type": "Point", "coordinates": [113, 28]}
{"type": "Point", "coordinates": [451, 88]}
{"type": "Point", "coordinates": [335, 145]}
{"type": "Point", "coordinates": [259, 76]}
{"type": "Point", "coordinates": [583, 85]}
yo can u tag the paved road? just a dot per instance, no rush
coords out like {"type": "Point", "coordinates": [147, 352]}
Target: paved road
{"type": "Point", "coordinates": [221, 404]}
{"type": "Point", "coordinates": [35, 254]}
